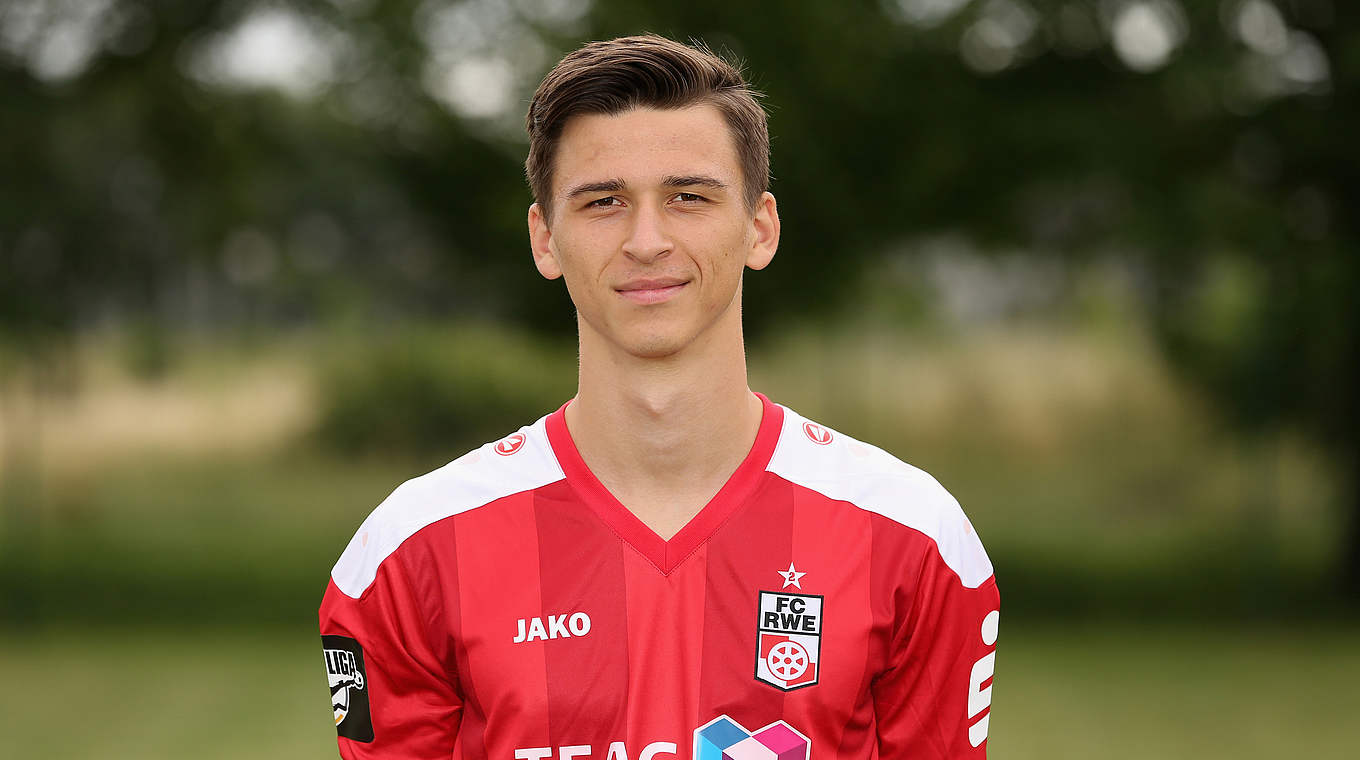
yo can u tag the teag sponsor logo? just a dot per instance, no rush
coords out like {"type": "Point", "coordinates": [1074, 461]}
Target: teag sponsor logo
{"type": "Point", "coordinates": [719, 739]}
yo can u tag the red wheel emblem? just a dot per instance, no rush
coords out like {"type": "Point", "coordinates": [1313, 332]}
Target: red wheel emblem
{"type": "Point", "coordinates": [509, 444]}
{"type": "Point", "coordinates": [787, 660]}
{"type": "Point", "coordinates": [816, 433]}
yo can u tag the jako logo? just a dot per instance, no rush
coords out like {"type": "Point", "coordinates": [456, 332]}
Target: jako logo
{"type": "Point", "coordinates": [980, 698]}
{"type": "Point", "coordinates": [816, 433]}
{"type": "Point", "coordinates": [557, 627]}
{"type": "Point", "coordinates": [509, 444]}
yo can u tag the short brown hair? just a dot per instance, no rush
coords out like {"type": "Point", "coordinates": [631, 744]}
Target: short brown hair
{"type": "Point", "coordinates": [645, 71]}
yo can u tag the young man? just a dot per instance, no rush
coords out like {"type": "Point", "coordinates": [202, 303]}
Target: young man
{"type": "Point", "coordinates": [669, 566]}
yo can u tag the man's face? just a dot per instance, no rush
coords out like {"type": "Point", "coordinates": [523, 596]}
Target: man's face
{"type": "Point", "coordinates": [649, 228]}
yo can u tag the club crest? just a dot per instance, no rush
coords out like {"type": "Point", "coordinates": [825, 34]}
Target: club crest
{"type": "Point", "coordinates": [788, 641]}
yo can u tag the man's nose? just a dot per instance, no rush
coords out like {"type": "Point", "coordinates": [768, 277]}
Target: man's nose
{"type": "Point", "coordinates": [648, 238]}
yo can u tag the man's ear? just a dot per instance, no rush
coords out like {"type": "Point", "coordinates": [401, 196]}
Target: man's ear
{"type": "Point", "coordinates": [765, 226]}
{"type": "Point", "coordinates": [540, 242]}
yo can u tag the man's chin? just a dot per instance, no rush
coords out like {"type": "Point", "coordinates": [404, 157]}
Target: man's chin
{"type": "Point", "coordinates": [656, 348]}
{"type": "Point", "coordinates": [650, 342]}
{"type": "Point", "coordinates": [654, 344]}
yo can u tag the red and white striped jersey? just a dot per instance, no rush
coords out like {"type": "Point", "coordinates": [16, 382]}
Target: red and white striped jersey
{"type": "Point", "coordinates": [830, 602]}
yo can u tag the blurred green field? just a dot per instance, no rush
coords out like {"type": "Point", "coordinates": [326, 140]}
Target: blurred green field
{"type": "Point", "coordinates": [1100, 485]}
{"type": "Point", "coordinates": [1114, 692]}
{"type": "Point", "coordinates": [1165, 582]}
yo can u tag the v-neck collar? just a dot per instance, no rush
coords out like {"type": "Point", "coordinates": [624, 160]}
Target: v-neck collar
{"type": "Point", "coordinates": [666, 555]}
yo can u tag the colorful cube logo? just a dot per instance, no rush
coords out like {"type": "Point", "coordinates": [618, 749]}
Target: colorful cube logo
{"type": "Point", "coordinates": [724, 739]}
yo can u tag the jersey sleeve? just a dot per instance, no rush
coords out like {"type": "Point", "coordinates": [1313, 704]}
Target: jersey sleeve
{"type": "Point", "coordinates": [933, 701]}
{"type": "Point", "coordinates": [392, 692]}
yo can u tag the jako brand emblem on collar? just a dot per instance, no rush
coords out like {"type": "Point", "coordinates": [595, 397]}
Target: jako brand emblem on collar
{"type": "Point", "coordinates": [509, 444]}
{"type": "Point", "coordinates": [816, 433]}
{"type": "Point", "coordinates": [725, 739]}
{"type": "Point", "coordinates": [349, 687]}
{"type": "Point", "coordinates": [788, 644]}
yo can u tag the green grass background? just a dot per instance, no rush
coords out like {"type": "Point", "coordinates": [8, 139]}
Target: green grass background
{"type": "Point", "coordinates": [1165, 581]}
{"type": "Point", "coordinates": [1111, 691]}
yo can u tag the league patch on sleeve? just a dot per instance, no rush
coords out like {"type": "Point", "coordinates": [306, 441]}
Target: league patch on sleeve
{"type": "Point", "coordinates": [349, 687]}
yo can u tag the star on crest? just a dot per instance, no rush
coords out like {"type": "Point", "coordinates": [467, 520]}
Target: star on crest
{"type": "Point", "coordinates": [791, 577]}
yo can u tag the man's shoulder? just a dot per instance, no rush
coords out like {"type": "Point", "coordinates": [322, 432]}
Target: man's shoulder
{"type": "Point", "coordinates": [817, 456]}
{"type": "Point", "coordinates": [841, 468]}
{"type": "Point", "coordinates": [519, 462]}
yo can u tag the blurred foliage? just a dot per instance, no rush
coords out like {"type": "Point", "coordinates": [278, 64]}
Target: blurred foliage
{"type": "Point", "coordinates": [1100, 485]}
{"type": "Point", "coordinates": [437, 391]}
{"type": "Point", "coordinates": [157, 172]}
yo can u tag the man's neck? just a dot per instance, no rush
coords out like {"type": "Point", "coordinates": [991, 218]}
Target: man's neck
{"type": "Point", "coordinates": [664, 435]}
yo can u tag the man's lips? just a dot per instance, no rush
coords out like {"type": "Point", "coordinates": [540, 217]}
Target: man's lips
{"type": "Point", "coordinates": [653, 290]}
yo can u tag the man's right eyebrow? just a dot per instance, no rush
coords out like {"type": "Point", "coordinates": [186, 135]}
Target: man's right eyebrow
{"type": "Point", "coordinates": [603, 186]}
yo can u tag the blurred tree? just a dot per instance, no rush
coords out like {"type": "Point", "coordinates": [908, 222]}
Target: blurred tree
{"type": "Point", "coordinates": [234, 161]}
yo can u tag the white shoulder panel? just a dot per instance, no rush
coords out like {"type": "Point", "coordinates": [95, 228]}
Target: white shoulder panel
{"type": "Point", "coordinates": [842, 468]}
{"type": "Point", "coordinates": [479, 477]}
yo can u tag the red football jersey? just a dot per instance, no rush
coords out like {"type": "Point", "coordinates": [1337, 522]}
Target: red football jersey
{"type": "Point", "coordinates": [830, 602]}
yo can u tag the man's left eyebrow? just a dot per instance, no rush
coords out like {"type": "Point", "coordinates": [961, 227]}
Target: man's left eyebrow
{"type": "Point", "coordinates": [694, 180]}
